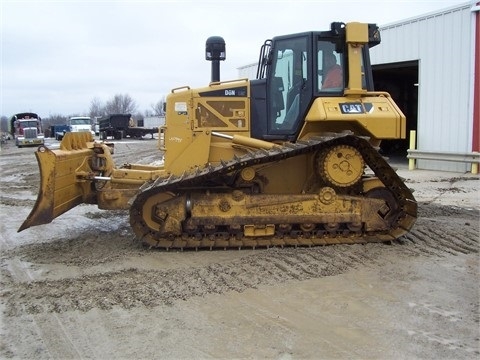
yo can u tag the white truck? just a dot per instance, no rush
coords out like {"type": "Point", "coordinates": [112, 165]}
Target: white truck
{"type": "Point", "coordinates": [80, 124]}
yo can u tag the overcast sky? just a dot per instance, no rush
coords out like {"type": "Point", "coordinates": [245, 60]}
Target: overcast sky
{"type": "Point", "coordinates": [56, 56]}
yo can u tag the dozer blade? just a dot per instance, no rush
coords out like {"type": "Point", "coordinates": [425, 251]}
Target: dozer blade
{"type": "Point", "coordinates": [60, 190]}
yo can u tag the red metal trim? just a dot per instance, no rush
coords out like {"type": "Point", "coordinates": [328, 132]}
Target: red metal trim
{"type": "Point", "coordinates": [476, 89]}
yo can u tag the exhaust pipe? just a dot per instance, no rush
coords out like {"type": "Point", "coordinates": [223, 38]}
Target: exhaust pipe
{"type": "Point", "coordinates": [215, 52]}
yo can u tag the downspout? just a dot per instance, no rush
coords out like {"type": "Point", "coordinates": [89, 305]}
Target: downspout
{"type": "Point", "coordinates": [476, 87]}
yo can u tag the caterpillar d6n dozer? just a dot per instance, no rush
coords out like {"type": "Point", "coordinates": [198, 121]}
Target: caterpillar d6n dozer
{"type": "Point", "coordinates": [290, 158]}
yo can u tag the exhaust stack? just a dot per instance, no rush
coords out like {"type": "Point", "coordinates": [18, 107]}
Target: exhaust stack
{"type": "Point", "coordinates": [214, 52]}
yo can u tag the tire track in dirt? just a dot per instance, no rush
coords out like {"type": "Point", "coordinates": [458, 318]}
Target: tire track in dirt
{"type": "Point", "coordinates": [432, 239]}
{"type": "Point", "coordinates": [132, 287]}
{"type": "Point", "coordinates": [436, 242]}
{"type": "Point", "coordinates": [452, 241]}
{"type": "Point", "coordinates": [14, 202]}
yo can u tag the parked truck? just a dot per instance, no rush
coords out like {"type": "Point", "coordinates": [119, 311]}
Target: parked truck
{"type": "Point", "coordinates": [80, 124]}
{"type": "Point", "coordinates": [58, 131]}
{"type": "Point", "coordinates": [26, 129]}
{"type": "Point", "coordinates": [120, 126]}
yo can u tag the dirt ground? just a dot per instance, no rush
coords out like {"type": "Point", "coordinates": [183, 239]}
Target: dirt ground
{"type": "Point", "coordinates": [82, 288]}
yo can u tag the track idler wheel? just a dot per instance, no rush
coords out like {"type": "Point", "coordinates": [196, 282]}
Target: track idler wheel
{"type": "Point", "coordinates": [340, 166]}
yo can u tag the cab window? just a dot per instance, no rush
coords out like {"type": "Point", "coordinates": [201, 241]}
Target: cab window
{"type": "Point", "coordinates": [290, 75]}
{"type": "Point", "coordinates": [330, 68]}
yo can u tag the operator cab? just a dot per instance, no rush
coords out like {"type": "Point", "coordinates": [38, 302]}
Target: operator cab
{"type": "Point", "coordinates": [293, 70]}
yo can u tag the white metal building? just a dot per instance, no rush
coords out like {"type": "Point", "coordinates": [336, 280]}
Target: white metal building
{"type": "Point", "coordinates": [430, 66]}
{"type": "Point", "coordinates": [440, 50]}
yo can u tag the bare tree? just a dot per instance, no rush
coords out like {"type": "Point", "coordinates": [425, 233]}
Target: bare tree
{"type": "Point", "coordinates": [55, 119]}
{"type": "Point", "coordinates": [97, 109]}
{"type": "Point", "coordinates": [158, 107]}
{"type": "Point", "coordinates": [4, 125]}
{"type": "Point", "coordinates": [121, 104]}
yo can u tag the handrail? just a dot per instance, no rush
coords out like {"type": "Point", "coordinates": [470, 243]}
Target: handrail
{"type": "Point", "coordinates": [214, 83]}
{"type": "Point", "coordinates": [186, 87]}
{"type": "Point", "coordinates": [413, 154]}
{"type": "Point", "coordinates": [472, 157]}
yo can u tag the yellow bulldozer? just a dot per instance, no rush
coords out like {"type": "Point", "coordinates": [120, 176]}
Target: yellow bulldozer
{"type": "Point", "coordinates": [289, 158]}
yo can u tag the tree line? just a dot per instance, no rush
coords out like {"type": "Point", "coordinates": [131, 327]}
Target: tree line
{"type": "Point", "coordinates": [118, 104]}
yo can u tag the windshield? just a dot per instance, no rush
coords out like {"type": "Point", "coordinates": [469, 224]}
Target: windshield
{"type": "Point", "coordinates": [28, 124]}
{"type": "Point", "coordinates": [80, 121]}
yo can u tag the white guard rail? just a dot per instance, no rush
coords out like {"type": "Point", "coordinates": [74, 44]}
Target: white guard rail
{"type": "Point", "coordinates": [413, 154]}
{"type": "Point", "coordinates": [473, 157]}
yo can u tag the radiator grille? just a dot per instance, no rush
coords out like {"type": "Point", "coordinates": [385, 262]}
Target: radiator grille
{"type": "Point", "coordinates": [30, 133]}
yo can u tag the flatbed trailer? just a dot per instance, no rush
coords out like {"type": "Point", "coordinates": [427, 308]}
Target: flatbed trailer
{"type": "Point", "coordinates": [119, 126]}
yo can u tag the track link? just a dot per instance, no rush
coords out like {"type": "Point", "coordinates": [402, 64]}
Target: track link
{"type": "Point", "coordinates": [404, 217]}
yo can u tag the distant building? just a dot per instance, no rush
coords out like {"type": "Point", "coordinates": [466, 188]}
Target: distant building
{"type": "Point", "coordinates": [430, 65]}
{"type": "Point", "coordinates": [248, 71]}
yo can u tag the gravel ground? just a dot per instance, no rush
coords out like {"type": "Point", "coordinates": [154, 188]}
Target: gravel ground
{"type": "Point", "coordinates": [82, 288]}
